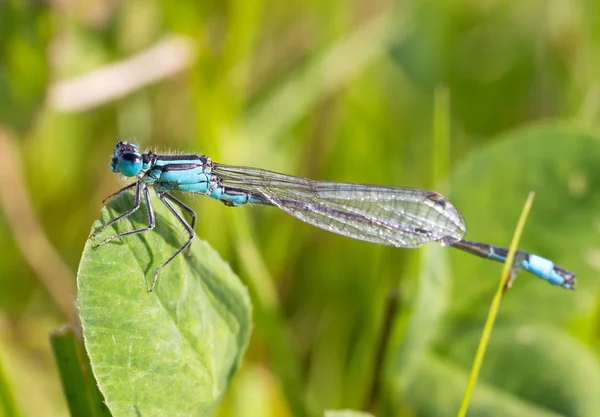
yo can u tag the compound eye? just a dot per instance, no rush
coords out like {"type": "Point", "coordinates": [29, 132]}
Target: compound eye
{"type": "Point", "coordinates": [130, 164]}
{"type": "Point", "coordinates": [113, 164]}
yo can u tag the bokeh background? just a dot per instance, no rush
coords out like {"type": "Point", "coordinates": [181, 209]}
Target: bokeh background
{"type": "Point", "coordinates": [483, 100]}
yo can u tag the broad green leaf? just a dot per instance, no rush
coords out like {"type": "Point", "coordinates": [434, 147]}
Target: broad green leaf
{"type": "Point", "coordinates": [538, 365]}
{"type": "Point", "coordinates": [560, 164]}
{"type": "Point", "coordinates": [172, 351]}
{"type": "Point", "coordinates": [439, 387]}
{"type": "Point", "coordinates": [528, 371]}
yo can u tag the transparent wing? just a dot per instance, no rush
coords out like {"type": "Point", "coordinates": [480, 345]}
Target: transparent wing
{"type": "Point", "coordinates": [395, 216]}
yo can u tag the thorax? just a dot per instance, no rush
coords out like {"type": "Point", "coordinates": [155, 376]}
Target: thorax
{"type": "Point", "coordinates": [191, 173]}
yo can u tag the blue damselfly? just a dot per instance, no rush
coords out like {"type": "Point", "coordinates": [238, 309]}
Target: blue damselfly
{"type": "Point", "coordinates": [395, 216]}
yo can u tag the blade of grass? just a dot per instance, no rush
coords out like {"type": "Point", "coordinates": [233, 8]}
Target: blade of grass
{"type": "Point", "coordinates": [346, 413]}
{"type": "Point", "coordinates": [389, 318]}
{"type": "Point", "coordinates": [79, 385]}
{"type": "Point", "coordinates": [440, 154]}
{"type": "Point", "coordinates": [434, 279]}
{"type": "Point", "coordinates": [270, 321]}
{"type": "Point", "coordinates": [325, 73]}
{"type": "Point", "coordinates": [168, 56]}
{"type": "Point", "coordinates": [52, 271]}
{"type": "Point", "coordinates": [494, 307]}
{"type": "Point", "coordinates": [8, 404]}
{"type": "Point", "coordinates": [434, 283]}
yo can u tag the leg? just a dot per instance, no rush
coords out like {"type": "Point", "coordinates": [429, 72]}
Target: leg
{"type": "Point", "coordinates": [183, 206]}
{"type": "Point", "coordinates": [119, 192]}
{"type": "Point", "coordinates": [151, 219]}
{"type": "Point", "coordinates": [136, 205]}
{"type": "Point", "coordinates": [187, 227]}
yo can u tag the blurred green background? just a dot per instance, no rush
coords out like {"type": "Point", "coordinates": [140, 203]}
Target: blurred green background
{"type": "Point", "coordinates": [362, 91]}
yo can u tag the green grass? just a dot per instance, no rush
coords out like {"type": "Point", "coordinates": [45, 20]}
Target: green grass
{"type": "Point", "coordinates": [503, 285]}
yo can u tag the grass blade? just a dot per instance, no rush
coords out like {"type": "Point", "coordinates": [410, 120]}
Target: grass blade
{"type": "Point", "coordinates": [79, 385]}
{"type": "Point", "coordinates": [493, 313]}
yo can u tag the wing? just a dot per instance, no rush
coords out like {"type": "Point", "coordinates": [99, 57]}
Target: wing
{"type": "Point", "coordinates": [394, 216]}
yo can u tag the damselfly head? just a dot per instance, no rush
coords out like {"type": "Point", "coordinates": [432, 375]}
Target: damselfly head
{"type": "Point", "coordinates": [126, 159]}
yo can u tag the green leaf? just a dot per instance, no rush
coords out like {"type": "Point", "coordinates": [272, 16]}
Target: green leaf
{"type": "Point", "coordinates": [172, 351]}
{"type": "Point", "coordinates": [438, 389]}
{"type": "Point", "coordinates": [540, 366]}
{"type": "Point", "coordinates": [528, 371]}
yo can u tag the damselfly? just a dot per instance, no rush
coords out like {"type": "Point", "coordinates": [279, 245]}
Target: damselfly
{"type": "Point", "coordinates": [394, 216]}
